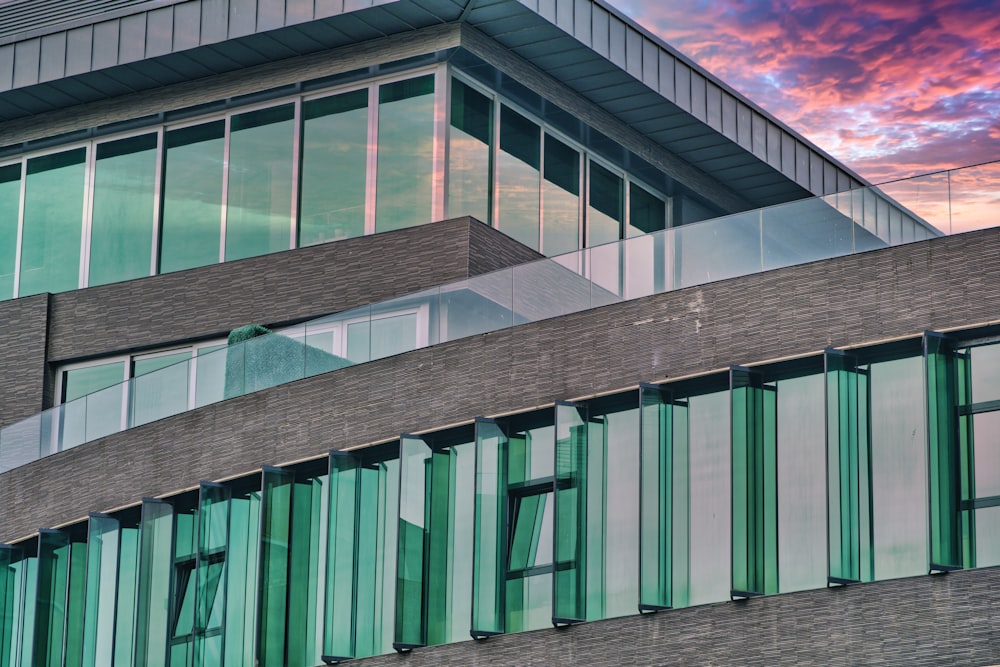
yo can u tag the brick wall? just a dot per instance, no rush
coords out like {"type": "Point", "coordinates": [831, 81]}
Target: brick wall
{"type": "Point", "coordinates": [931, 620]}
{"type": "Point", "coordinates": [206, 302]}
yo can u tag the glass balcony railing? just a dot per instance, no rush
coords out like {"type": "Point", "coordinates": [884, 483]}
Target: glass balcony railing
{"type": "Point", "coordinates": [736, 245]}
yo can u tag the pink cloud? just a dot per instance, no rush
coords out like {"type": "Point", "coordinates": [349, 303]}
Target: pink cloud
{"type": "Point", "coordinates": [890, 88]}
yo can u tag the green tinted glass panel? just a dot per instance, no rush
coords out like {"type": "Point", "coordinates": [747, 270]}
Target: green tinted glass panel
{"type": "Point", "coordinates": [259, 194]}
{"type": "Point", "coordinates": [560, 198]}
{"type": "Point", "coordinates": [159, 387]}
{"type": "Point", "coordinates": [569, 586]}
{"type": "Point", "coordinates": [82, 381]}
{"type": "Point", "coordinates": [11, 610]}
{"type": "Point", "coordinates": [156, 563]}
{"type": "Point", "coordinates": [470, 140]}
{"type": "Point", "coordinates": [529, 603]}
{"type": "Point", "coordinates": [754, 480]}
{"type": "Point", "coordinates": [985, 372]}
{"type": "Point", "coordinates": [306, 579]}
{"type": "Point", "coordinates": [242, 576]}
{"type": "Point", "coordinates": [334, 167]}
{"type": "Point", "coordinates": [276, 505]}
{"type": "Point", "coordinates": [849, 469]}
{"type": "Point", "coordinates": [655, 494]}
{"type": "Point", "coordinates": [380, 488]}
{"type": "Point", "coordinates": [93, 403]}
{"type": "Point", "coordinates": [518, 177]}
{"type": "Point", "coordinates": [802, 489]}
{"type": "Point", "coordinates": [987, 454]}
{"type": "Point", "coordinates": [128, 579]}
{"type": "Point", "coordinates": [344, 490]}
{"type": "Point", "coordinates": [646, 212]}
{"type": "Point", "coordinates": [210, 375]}
{"type": "Point", "coordinates": [101, 590]}
{"type": "Point", "coordinates": [460, 546]}
{"type": "Point", "coordinates": [10, 204]}
{"type": "Point", "coordinates": [607, 206]}
{"type": "Point", "coordinates": [192, 197]}
{"type": "Point", "coordinates": [50, 600]}
{"type": "Point", "coordinates": [946, 543]}
{"type": "Point", "coordinates": [489, 552]}
{"type": "Point", "coordinates": [121, 236]}
{"type": "Point", "coordinates": [29, 603]}
{"type": "Point", "coordinates": [406, 177]}
{"type": "Point", "coordinates": [440, 531]}
{"type": "Point", "coordinates": [899, 467]}
{"type": "Point", "coordinates": [211, 570]}
{"type": "Point", "coordinates": [415, 461]}
{"type": "Point", "coordinates": [76, 601]}
{"type": "Point", "coordinates": [53, 220]}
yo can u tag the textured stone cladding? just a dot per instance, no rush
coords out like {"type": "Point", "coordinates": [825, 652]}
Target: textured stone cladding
{"type": "Point", "coordinates": [934, 621]}
{"type": "Point", "coordinates": [24, 325]}
{"type": "Point", "coordinates": [948, 282]}
{"type": "Point", "coordinates": [294, 285]}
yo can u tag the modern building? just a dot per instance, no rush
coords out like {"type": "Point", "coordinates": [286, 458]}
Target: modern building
{"type": "Point", "coordinates": [468, 332]}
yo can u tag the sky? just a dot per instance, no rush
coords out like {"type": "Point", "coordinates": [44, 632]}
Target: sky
{"type": "Point", "coordinates": [892, 88]}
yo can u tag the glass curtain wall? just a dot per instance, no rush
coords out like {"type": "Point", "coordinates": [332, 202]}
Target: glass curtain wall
{"type": "Point", "coordinates": [309, 170]}
{"type": "Point", "coordinates": [581, 511]}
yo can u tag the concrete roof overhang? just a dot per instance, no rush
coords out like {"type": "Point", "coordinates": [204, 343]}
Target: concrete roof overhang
{"type": "Point", "coordinates": [52, 59]}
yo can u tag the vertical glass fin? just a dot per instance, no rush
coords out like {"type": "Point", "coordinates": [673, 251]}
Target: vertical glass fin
{"type": "Point", "coordinates": [50, 611]}
{"type": "Point", "coordinates": [943, 367]}
{"type": "Point", "coordinates": [275, 538]}
{"type": "Point", "coordinates": [490, 548]}
{"type": "Point", "coordinates": [754, 484]}
{"type": "Point", "coordinates": [342, 549]}
{"type": "Point", "coordinates": [11, 609]}
{"type": "Point", "coordinates": [156, 563]}
{"type": "Point", "coordinates": [849, 507]}
{"type": "Point", "coordinates": [655, 495]}
{"type": "Point", "coordinates": [101, 590]}
{"type": "Point", "coordinates": [411, 590]}
{"type": "Point", "coordinates": [569, 581]}
{"type": "Point", "coordinates": [210, 571]}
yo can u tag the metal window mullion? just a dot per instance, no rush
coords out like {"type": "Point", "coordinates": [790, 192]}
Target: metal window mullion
{"type": "Point", "coordinates": [439, 160]}
{"type": "Point", "coordinates": [494, 162]}
{"type": "Point", "coordinates": [20, 228]}
{"type": "Point", "coordinates": [541, 189]}
{"type": "Point", "coordinates": [296, 174]}
{"type": "Point", "coordinates": [372, 165]}
{"type": "Point", "coordinates": [87, 219]}
{"type": "Point", "coordinates": [161, 158]}
{"type": "Point", "coordinates": [224, 204]}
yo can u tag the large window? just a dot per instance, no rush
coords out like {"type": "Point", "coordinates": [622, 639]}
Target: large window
{"type": "Point", "coordinates": [385, 154]}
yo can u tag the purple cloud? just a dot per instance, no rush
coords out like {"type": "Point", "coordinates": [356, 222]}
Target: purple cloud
{"type": "Point", "coordinates": [890, 88]}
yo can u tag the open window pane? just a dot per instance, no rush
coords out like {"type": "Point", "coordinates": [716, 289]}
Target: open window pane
{"type": "Point", "coordinates": [570, 519]}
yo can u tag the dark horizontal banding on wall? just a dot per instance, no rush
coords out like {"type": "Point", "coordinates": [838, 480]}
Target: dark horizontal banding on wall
{"type": "Point", "coordinates": [293, 285]}
{"type": "Point", "coordinates": [929, 621]}
{"type": "Point", "coordinates": [838, 302]}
